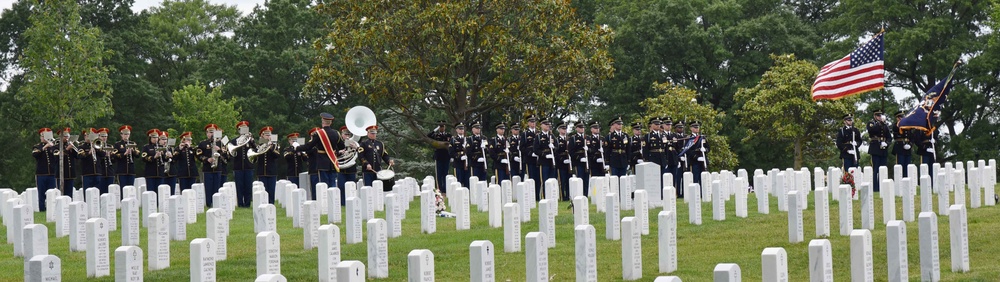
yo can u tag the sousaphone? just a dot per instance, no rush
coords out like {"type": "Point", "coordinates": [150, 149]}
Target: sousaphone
{"type": "Point", "coordinates": [358, 118]}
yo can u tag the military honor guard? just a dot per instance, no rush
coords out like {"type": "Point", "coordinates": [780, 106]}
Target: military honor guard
{"type": "Point", "coordinates": [563, 161]}
{"type": "Point", "coordinates": [529, 155]}
{"type": "Point", "coordinates": [456, 149]}
{"type": "Point", "coordinates": [108, 177]}
{"type": "Point", "coordinates": [167, 159]}
{"type": "Point", "coordinates": [327, 142]}
{"type": "Point", "coordinates": [926, 148]}
{"type": "Point", "coordinates": [349, 173]}
{"type": "Point", "coordinates": [653, 150]}
{"type": "Point", "coordinates": [901, 146]}
{"type": "Point", "coordinates": [125, 153]}
{"type": "Point", "coordinates": [580, 157]}
{"type": "Point", "coordinates": [151, 156]}
{"type": "Point", "coordinates": [212, 154]}
{"type": "Point", "coordinates": [514, 146]}
{"type": "Point", "coordinates": [295, 162]}
{"type": "Point", "coordinates": [879, 136]}
{"type": "Point", "coordinates": [476, 150]}
{"type": "Point", "coordinates": [671, 154]}
{"type": "Point", "coordinates": [678, 140]}
{"type": "Point", "coordinates": [312, 158]}
{"type": "Point", "coordinates": [266, 157]}
{"type": "Point", "coordinates": [617, 148]}
{"type": "Point", "coordinates": [46, 162]}
{"type": "Point", "coordinates": [635, 144]}
{"type": "Point", "coordinates": [442, 159]}
{"type": "Point", "coordinates": [848, 140]}
{"type": "Point", "coordinates": [545, 149]}
{"type": "Point", "coordinates": [697, 149]}
{"type": "Point", "coordinates": [373, 156]}
{"type": "Point", "coordinates": [187, 161]}
{"type": "Point", "coordinates": [92, 160]}
{"type": "Point", "coordinates": [499, 150]}
{"type": "Point", "coordinates": [595, 150]}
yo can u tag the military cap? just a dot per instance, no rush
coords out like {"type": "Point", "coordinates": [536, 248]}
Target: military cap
{"type": "Point", "coordinates": [679, 124]}
{"type": "Point", "coordinates": [153, 132]}
{"type": "Point", "coordinates": [342, 128]}
{"type": "Point", "coordinates": [292, 135]}
{"type": "Point", "coordinates": [242, 123]}
{"type": "Point", "coordinates": [849, 117]}
{"type": "Point", "coordinates": [267, 129]}
{"type": "Point", "coordinates": [546, 121]}
{"type": "Point", "coordinates": [326, 116]}
{"type": "Point", "coordinates": [595, 124]}
{"type": "Point", "coordinates": [636, 125]}
{"type": "Point", "coordinates": [877, 112]}
{"type": "Point", "coordinates": [562, 125]}
{"type": "Point", "coordinates": [460, 125]}
{"type": "Point", "coordinates": [615, 120]}
{"type": "Point", "coordinates": [654, 120]}
{"type": "Point", "coordinates": [501, 125]}
{"type": "Point", "coordinates": [695, 124]}
{"type": "Point", "coordinates": [372, 129]}
{"type": "Point", "coordinates": [899, 114]}
{"type": "Point", "coordinates": [125, 129]}
{"type": "Point", "coordinates": [515, 126]}
{"type": "Point", "coordinates": [531, 118]}
{"type": "Point", "coordinates": [476, 124]}
{"type": "Point", "coordinates": [666, 120]}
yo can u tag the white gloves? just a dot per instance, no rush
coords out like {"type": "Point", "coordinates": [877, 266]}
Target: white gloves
{"type": "Point", "coordinates": [906, 146]}
{"type": "Point", "coordinates": [684, 158]}
{"type": "Point", "coordinates": [517, 159]}
{"type": "Point", "coordinates": [600, 160]}
{"type": "Point", "coordinates": [852, 152]}
{"type": "Point", "coordinates": [482, 160]}
{"type": "Point", "coordinates": [552, 146]}
{"type": "Point", "coordinates": [583, 160]}
{"type": "Point", "coordinates": [504, 161]}
{"type": "Point", "coordinates": [701, 159]}
{"type": "Point", "coordinates": [930, 150]}
{"type": "Point", "coordinates": [566, 161]}
{"type": "Point", "coordinates": [601, 150]}
{"type": "Point", "coordinates": [482, 145]}
{"type": "Point", "coordinates": [884, 145]}
{"type": "Point", "coordinates": [465, 158]}
{"type": "Point", "coordinates": [549, 156]}
{"type": "Point", "coordinates": [639, 161]}
{"type": "Point", "coordinates": [533, 155]}
{"type": "Point", "coordinates": [854, 143]}
{"type": "Point", "coordinates": [704, 150]}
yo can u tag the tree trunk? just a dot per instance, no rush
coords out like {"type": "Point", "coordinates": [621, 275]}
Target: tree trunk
{"type": "Point", "coordinates": [798, 154]}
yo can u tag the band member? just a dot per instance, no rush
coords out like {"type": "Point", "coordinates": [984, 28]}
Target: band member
{"type": "Point", "coordinates": [476, 150]}
{"type": "Point", "coordinates": [653, 151]}
{"type": "Point", "coordinates": [224, 159]}
{"type": "Point", "coordinates": [499, 151]}
{"type": "Point", "coordinates": [901, 146]}
{"type": "Point", "coordinates": [456, 149]}
{"type": "Point", "coordinates": [295, 162]}
{"type": "Point", "coordinates": [848, 140]}
{"type": "Point", "coordinates": [327, 142]}
{"type": "Point", "coordinates": [563, 161]}
{"type": "Point", "coordinates": [312, 155]}
{"type": "Point", "coordinates": [530, 156]}
{"type": "Point", "coordinates": [595, 150]}
{"type": "Point", "coordinates": [697, 149]}
{"type": "Point", "coordinates": [579, 156]}
{"type": "Point", "coordinates": [514, 146]}
{"type": "Point", "coordinates": [125, 154]}
{"type": "Point", "coordinates": [373, 155]}
{"type": "Point", "coordinates": [878, 135]}
{"type": "Point", "coordinates": [267, 162]}
{"type": "Point", "coordinates": [348, 173]}
{"type": "Point", "coordinates": [242, 167]}
{"type": "Point", "coordinates": [108, 177]}
{"type": "Point", "coordinates": [70, 154]}
{"type": "Point", "coordinates": [635, 144]}
{"type": "Point", "coordinates": [682, 160]}
{"type": "Point", "coordinates": [545, 150]}
{"type": "Point", "coordinates": [441, 157]}
{"type": "Point", "coordinates": [151, 155]}
{"type": "Point", "coordinates": [46, 163]}
{"type": "Point", "coordinates": [617, 145]}
{"type": "Point", "coordinates": [186, 159]}
{"type": "Point", "coordinates": [92, 161]}
{"type": "Point", "coordinates": [212, 154]}
{"type": "Point", "coordinates": [167, 160]}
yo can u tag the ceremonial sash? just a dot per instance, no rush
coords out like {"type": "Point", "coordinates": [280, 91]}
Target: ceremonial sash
{"type": "Point", "coordinates": [328, 146]}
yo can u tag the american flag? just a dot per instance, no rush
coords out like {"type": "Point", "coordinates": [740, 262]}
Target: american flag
{"type": "Point", "coordinates": [858, 72]}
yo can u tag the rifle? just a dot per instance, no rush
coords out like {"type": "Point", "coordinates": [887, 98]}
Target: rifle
{"type": "Point", "coordinates": [483, 148]}
{"type": "Point", "coordinates": [506, 150]}
{"type": "Point", "coordinates": [704, 155]}
{"type": "Point", "coordinates": [586, 148]}
{"type": "Point", "coordinates": [551, 151]}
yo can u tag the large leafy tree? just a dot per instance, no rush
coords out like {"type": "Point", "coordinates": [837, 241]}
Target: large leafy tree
{"type": "Point", "coordinates": [196, 106]}
{"type": "Point", "coordinates": [462, 59]}
{"type": "Point", "coordinates": [681, 103]}
{"type": "Point", "coordinates": [780, 110]}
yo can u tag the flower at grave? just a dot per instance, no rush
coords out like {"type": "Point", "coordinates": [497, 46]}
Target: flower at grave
{"type": "Point", "coordinates": [848, 178]}
{"type": "Point", "coordinates": [439, 201]}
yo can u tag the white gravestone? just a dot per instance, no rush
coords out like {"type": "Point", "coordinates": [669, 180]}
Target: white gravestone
{"type": "Point", "coordinates": [867, 207]}
{"type": "Point", "coordinates": [612, 216]}
{"type": "Point", "coordinates": [926, 196]}
{"type": "Point", "coordinates": [625, 193]}
{"type": "Point", "coordinates": [861, 256]}
{"type": "Point", "coordinates": [667, 279]}
{"type": "Point", "coordinates": [959, 230]}
{"type": "Point", "coordinates": [310, 224]}
{"type": "Point", "coordinates": [271, 278]}
{"type": "Point", "coordinates": [420, 265]}
{"type": "Point", "coordinates": [353, 229]}
{"type": "Point", "coordinates": [158, 244]}
{"type": "Point", "coordinates": [778, 189]}
{"type": "Point", "coordinates": [774, 265]}
{"type": "Point", "coordinates": [295, 207]}
{"type": "Point", "coordinates": [130, 222]}
{"type": "Point", "coordinates": [547, 221]}
{"type": "Point", "coordinates": [268, 253]}
{"type": "Point", "coordinates": [21, 216]}
{"type": "Point", "coordinates": [631, 249]}
{"type": "Point", "coordinates": [333, 213]}
{"type": "Point", "coordinates": [36, 243]}
{"type": "Point", "coordinates": [108, 212]}
{"type": "Point", "coordinates": [741, 197]}
{"type": "Point", "coordinates": [93, 202]}
{"type": "Point", "coordinates": [846, 211]}
{"type": "Point", "coordinates": [512, 228]}
{"type": "Point", "coordinates": [461, 209]}
{"type": "Point", "coordinates": [482, 267]}
{"type": "Point", "coordinates": [393, 214]}
{"type": "Point", "coordinates": [217, 229]}
{"type": "Point", "coordinates": [45, 268]}
{"type": "Point", "coordinates": [267, 214]}
{"type": "Point", "coordinates": [351, 271]}
{"type": "Point", "coordinates": [667, 241]}
{"type": "Point", "coordinates": [718, 203]}
{"type": "Point", "coordinates": [202, 261]}
{"type": "Point", "coordinates": [822, 212]}
{"type": "Point", "coordinates": [378, 249]}
{"type": "Point", "coordinates": [669, 202]}
{"type": "Point", "coordinates": [428, 212]}
{"type": "Point", "coordinates": [888, 201]}
{"type": "Point", "coordinates": [128, 263]}
{"type": "Point", "coordinates": [647, 177]}
{"type": "Point", "coordinates": [581, 211]}
{"type": "Point", "coordinates": [524, 202]}
{"type": "Point", "coordinates": [930, 264]}
{"type": "Point", "coordinates": [727, 272]}
{"type": "Point", "coordinates": [148, 205]}
{"type": "Point", "coordinates": [942, 193]}
{"type": "Point", "coordinates": [506, 187]}
{"type": "Point", "coordinates": [536, 257]}
{"type": "Point", "coordinates": [795, 229]}
{"type": "Point", "coordinates": [367, 195]}
{"type": "Point", "coordinates": [322, 198]}
{"type": "Point", "coordinates": [98, 248]}
{"type": "Point", "coordinates": [77, 227]}
{"type": "Point", "coordinates": [907, 191]}
{"type": "Point", "coordinates": [763, 207]}
{"type": "Point", "coordinates": [586, 253]}
{"type": "Point", "coordinates": [820, 261]}
{"type": "Point", "coordinates": [896, 253]}
{"type": "Point", "coordinates": [495, 204]}
{"type": "Point", "coordinates": [329, 252]}
{"type": "Point", "coordinates": [191, 203]}
{"type": "Point", "coordinates": [641, 204]}
{"type": "Point", "coordinates": [178, 219]}
{"type": "Point", "coordinates": [694, 206]}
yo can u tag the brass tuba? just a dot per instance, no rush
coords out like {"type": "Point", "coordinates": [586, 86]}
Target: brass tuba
{"type": "Point", "coordinates": [358, 118]}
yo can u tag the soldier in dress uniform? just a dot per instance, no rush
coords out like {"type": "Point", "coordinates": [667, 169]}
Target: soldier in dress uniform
{"type": "Point", "coordinates": [169, 171]}
{"type": "Point", "coordinates": [242, 167]}
{"type": "Point", "coordinates": [545, 150]}
{"type": "Point", "coordinates": [514, 146]}
{"type": "Point", "coordinates": [653, 150]}
{"type": "Point", "coordinates": [679, 140]}
{"type": "Point", "coordinates": [579, 156]}
{"type": "Point", "coordinates": [499, 151]}
{"type": "Point", "coordinates": [267, 162]}
{"type": "Point", "coordinates": [46, 163]}
{"type": "Point", "coordinates": [92, 161]}
{"type": "Point", "coordinates": [595, 149]}
{"type": "Point", "coordinates": [441, 157]}
{"type": "Point", "coordinates": [563, 161]}
{"type": "Point", "coordinates": [187, 161]}
{"type": "Point", "coordinates": [529, 156]}
{"type": "Point", "coordinates": [68, 171]}
{"type": "Point", "coordinates": [211, 153]}
{"type": "Point", "coordinates": [926, 148]}
{"type": "Point", "coordinates": [151, 154]}
{"type": "Point", "coordinates": [295, 162]}
{"type": "Point", "coordinates": [616, 144]}
{"type": "Point", "coordinates": [635, 144]}
{"type": "Point", "coordinates": [901, 145]}
{"type": "Point", "coordinates": [456, 149]}
{"type": "Point", "coordinates": [671, 148]}
{"type": "Point", "coordinates": [879, 135]}
{"type": "Point", "coordinates": [373, 155]}
{"type": "Point", "coordinates": [848, 140]}
{"type": "Point", "coordinates": [312, 155]}
{"type": "Point", "coordinates": [108, 177]}
{"type": "Point", "coordinates": [327, 142]}
{"type": "Point", "coordinates": [225, 159]}
{"type": "Point", "coordinates": [125, 154]}
{"type": "Point", "coordinates": [476, 150]}
{"type": "Point", "coordinates": [697, 152]}
{"type": "Point", "coordinates": [347, 174]}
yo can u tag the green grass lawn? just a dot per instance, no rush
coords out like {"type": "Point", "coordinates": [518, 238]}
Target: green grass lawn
{"type": "Point", "coordinates": [700, 248]}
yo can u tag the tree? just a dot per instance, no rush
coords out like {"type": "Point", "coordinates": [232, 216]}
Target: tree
{"type": "Point", "coordinates": [681, 103]}
{"type": "Point", "coordinates": [195, 107]}
{"type": "Point", "coordinates": [463, 58]}
{"type": "Point", "coordinates": [780, 109]}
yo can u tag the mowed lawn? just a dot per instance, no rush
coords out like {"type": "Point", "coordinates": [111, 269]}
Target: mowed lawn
{"type": "Point", "coordinates": [700, 248]}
